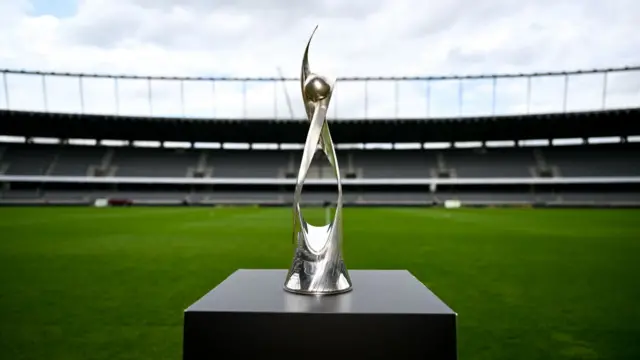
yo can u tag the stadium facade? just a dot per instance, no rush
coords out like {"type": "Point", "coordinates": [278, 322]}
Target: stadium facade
{"type": "Point", "coordinates": [475, 153]}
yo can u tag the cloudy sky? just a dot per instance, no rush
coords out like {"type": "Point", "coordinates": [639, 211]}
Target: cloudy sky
{"type": "Point", "coordinates": [246, 38]}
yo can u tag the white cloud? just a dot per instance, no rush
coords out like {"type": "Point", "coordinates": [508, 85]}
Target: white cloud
{"type": "Point", "coordinates": [355, 38]}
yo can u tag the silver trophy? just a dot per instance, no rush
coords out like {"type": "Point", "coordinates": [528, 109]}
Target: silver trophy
{"type": "Point", "coordinates": [318, 267]}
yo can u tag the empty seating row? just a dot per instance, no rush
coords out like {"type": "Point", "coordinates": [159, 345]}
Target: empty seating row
{"type": "Point", "coordinates": [56, 160]}
{"type": "Point", "coordinates": [317, 198]}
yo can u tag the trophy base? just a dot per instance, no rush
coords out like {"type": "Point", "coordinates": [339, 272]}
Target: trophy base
{"type": "Point", "coordinates": [302, 280]}
{"type": "Point", "coordinates": [316, 293]}
{"type": "Point", "coordinates": [389, 314]}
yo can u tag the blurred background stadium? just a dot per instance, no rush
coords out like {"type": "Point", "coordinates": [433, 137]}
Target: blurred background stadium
{"type": "Point", "coordinates": [79, 282]}
{"type": "Point", "coordinates": [491, 139]}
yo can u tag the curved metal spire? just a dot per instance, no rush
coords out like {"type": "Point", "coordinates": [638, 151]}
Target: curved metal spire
{"type": "Point", "coordinates": [304, 75]}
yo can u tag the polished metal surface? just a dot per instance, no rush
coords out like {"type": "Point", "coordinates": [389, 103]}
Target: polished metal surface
{"type": "Point", "coordinates": [318, 267]}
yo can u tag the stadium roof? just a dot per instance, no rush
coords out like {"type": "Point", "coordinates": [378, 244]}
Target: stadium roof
{"type": "Point", "coordinates": [342, 78]}
{"type": "Point", "coordinates": [541, 126]}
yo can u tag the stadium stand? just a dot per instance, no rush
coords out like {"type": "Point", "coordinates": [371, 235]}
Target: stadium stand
{"type": "Point", "coordinates": [582, 174]}
{"type": "Point", "coordinates": [564, 161]}
{"type": "Point", "coordinates": [60, 161]}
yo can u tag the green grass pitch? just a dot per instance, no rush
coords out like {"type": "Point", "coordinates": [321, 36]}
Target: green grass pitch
{"type": "Point", "coordinates": [88, 283]}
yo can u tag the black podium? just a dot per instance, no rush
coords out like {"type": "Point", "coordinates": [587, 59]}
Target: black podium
{"type": "Point", "coordinates": [389, 314]}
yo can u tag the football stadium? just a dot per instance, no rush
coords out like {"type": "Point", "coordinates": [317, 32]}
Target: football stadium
{"type": "Point", "coordinates": [522, 216]}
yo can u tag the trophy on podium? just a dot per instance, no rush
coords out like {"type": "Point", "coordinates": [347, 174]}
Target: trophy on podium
{"type": "Point", "coordinates": [249, 315]}
{"type": "Point", "coordinates": [317, 267]}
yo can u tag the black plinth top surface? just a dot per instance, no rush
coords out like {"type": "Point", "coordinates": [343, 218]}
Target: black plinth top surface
{"type": "Point", "coordinates": [374, 292]}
